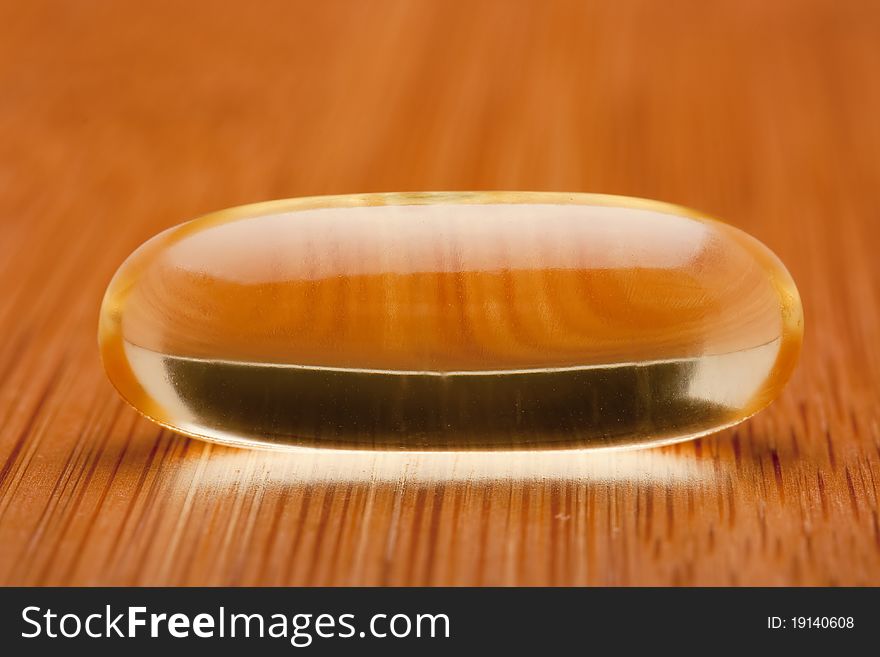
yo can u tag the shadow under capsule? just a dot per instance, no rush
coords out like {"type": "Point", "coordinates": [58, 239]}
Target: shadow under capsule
{"type": "Point", "coordinates": [219, 465]}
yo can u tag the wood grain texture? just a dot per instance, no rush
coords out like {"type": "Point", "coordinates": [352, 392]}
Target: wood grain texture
{"type": "Point", "coordinates": [119, 119]}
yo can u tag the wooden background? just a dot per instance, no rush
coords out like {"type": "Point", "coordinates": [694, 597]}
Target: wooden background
{"type": "Point", "coordinates": [118, 119]}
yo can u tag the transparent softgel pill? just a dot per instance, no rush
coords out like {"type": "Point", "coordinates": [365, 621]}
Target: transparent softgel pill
{"type": "Point", "coordinates": [451, 321]}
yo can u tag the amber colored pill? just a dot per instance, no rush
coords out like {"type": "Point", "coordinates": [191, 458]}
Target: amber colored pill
{"type": "Point", "coordinates": [451, 321]}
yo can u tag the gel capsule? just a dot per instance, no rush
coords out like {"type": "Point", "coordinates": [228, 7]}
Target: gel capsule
{"type": "Point", "coordinates": [451, 321]}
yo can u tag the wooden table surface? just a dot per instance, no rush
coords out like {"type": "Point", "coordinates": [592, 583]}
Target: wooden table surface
{"type": "Point", "coordinates": [119, 119]}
